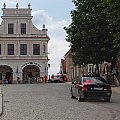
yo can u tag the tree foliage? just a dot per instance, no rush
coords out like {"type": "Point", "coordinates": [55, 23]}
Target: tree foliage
{"type": "Point", "coordinates": [93, 34]}
{"type": "Point", "coordinates": [112, 9]}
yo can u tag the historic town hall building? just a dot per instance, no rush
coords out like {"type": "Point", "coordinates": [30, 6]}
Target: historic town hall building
{"type": "Point", "coordinates": [23, 48]}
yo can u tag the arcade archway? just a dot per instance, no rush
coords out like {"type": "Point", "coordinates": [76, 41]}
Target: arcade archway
{"type": "Point", "coordinates": [32, 72]}
{"type": "Point", "coordinates": [6, 72]}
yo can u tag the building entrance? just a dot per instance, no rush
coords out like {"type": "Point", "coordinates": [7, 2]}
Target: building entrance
{"type": "Point", "coordinates": [31, 74]}
{"type": "Point", "coordinates": [6, 72]}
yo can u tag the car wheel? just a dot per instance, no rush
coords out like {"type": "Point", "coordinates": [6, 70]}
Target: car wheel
{"type": "Point", "coordinates": [107, 99]}
{"type": "Point", "coordinates": [80, 99]}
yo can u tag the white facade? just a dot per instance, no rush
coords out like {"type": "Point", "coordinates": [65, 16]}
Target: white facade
{"type": "Point", "coordinates": [13, 63]}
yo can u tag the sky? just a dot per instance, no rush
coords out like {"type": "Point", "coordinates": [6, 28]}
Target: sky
{"type": "Point", "coordinates": [55, 14]}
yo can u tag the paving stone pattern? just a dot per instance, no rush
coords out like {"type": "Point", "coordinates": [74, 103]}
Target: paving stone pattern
{"type": "Point", "coordinates": [47, 102]}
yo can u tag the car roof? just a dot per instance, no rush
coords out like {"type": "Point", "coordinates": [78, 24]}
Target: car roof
{"type": "Point", "coordinates": [90, 77]}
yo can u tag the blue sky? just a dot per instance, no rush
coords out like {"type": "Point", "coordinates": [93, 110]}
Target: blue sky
{"type": "Point", "coordinates": [55, 14]}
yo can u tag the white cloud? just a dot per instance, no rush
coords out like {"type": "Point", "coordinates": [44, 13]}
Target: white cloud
{"type": "Point", "coordinates": [9, 2]}
{"type": "Point", "coordinates": [57, 44]}
{"type": "Point", "coordinates": [57, 49]}
{"type": "Point", "coordinates": [41, 17]}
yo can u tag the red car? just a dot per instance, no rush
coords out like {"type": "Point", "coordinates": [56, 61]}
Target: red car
{"type": "Point", "coordinates": [91, 87]}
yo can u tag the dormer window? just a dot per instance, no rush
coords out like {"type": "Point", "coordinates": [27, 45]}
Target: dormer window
{"type": "Point", "coordinates": [23, 28]}
{"type": "Point", "coordinates": [10, 28]}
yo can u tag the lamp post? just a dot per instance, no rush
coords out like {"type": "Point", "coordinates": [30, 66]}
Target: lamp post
{"type": "Point", "coordinates": [18, 79]}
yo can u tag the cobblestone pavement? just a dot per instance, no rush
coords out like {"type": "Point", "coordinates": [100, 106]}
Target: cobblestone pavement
{"type": "Point", "coordinates": [49, 102]}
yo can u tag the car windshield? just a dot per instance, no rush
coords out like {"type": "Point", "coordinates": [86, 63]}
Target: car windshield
{"type": "Point", "coordinates": [94, 80]}
{"type": "Point", "coordinates": [58, 77]}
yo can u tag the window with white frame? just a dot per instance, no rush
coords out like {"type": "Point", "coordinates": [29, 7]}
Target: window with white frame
{"type": "Point", "coordinates": [10, 49]}
{"type": "Point", "coordinates": [36, 49]}
{"type": "Point", "coordinates": [90, 68]}
{"type": "Point", "coordinates": [23, 49]}
{"type": "Point", "coordinates": [10, 28]}
{"type": "Point", "coordinates": [23, 28]}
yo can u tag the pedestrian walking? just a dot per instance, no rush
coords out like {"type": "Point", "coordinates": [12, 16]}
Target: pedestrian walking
{"type": "Point", "coordinates": [29, 80]}
{"type": "Point", "coordinates": [18, 80]}
{"type": "Point", "coordinates": [4, 80]}
{"type": "Point", "coordinates": [45, 78]}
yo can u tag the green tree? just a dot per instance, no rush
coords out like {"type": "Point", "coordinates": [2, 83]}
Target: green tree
{"type": "Point", "coordinates": [112, 9]}
{"type": "Point", "coordinates": [90, 33]}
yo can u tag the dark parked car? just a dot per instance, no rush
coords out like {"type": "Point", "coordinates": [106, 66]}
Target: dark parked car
{"type": "Point", "coordinates": [91, 87]}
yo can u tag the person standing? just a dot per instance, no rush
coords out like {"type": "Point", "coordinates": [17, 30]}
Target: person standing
{"type": "Point", "coordinates": [18, 80]}
{"type": "Point", "coordinates": [45, 78]}
{"type": "Point", "coordinates": [52, 78]}
{"type": "Point", "coordinates": [4, 80]}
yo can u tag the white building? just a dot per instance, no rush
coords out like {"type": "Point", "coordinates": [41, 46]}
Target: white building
{"type": "Point", "coordinates": [23, 48]}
